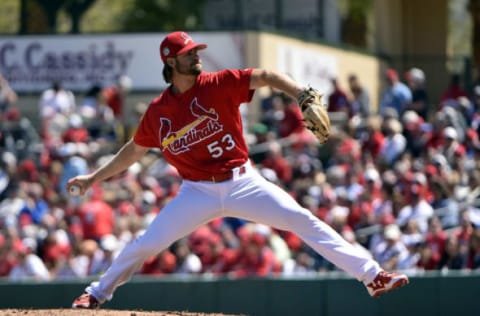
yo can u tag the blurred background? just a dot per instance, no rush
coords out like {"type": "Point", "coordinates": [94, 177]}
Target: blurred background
{"type": "Point", "coordinates": [399, 178]}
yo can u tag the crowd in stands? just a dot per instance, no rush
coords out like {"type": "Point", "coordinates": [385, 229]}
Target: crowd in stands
{"type": "Point", "coordinates": [400, 180]}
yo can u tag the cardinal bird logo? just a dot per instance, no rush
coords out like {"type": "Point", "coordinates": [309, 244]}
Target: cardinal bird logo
{"type": "Point", "coordinates": [165, 128]}
{"type": "Point", "coordinates": [180, 141]}
{"type": "Point", "coordinates": [199, 111]}
{"type": "Point", "coordinates": [186, 38]}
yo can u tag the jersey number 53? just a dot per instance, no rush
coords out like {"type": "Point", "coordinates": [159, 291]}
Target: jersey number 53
{"type": "Point", "coordinates": [217, 148]}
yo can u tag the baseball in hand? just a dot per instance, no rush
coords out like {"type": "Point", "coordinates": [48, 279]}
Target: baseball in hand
{"type": "Point", "coordinates": [74, 190]}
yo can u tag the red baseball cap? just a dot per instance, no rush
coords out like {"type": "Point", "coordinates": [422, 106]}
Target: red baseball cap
{"type": "Point", "coordinates": [177, 43]}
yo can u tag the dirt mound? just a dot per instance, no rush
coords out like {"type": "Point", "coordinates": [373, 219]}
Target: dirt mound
{"type": "Point", "coordinates": [98, 312]}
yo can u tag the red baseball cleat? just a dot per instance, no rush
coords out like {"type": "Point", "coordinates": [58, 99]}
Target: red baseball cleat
{"type": "Point", "coordinates": [385, 282]}
{"type": "Point", "coordinates": [87, 301]}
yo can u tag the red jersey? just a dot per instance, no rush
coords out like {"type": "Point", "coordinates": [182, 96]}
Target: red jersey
{"type": "Point", "coordinates": [200, 131]}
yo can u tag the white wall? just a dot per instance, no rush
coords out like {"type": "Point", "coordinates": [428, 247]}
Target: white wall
{"type": "Point", "coordinates": [31, 63]}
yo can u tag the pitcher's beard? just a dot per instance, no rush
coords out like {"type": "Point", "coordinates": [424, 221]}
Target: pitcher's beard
{"type": "Point", "coordinates": [194, 70]}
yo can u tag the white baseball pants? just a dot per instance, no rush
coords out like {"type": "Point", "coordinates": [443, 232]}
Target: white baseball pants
{"type": "Point", "coordinates": [248, 196]}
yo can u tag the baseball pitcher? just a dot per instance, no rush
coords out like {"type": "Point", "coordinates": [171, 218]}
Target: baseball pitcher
{"type": "Point", "coordinates": [196, 123]}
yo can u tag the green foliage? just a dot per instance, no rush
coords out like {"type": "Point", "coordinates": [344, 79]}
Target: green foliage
{"type": "Point", "coordinates": [9, 16]}
{"type": "Point", "coordinates": [76, 9]}
{"type": "Point", "coordinates": [106, 16]}
{"type": "Point", "coordinates": [163, 15]}
{"type": "Point", "coordinates": [99, 16]}
{"type": "Point", "coordinates": [358, 9]}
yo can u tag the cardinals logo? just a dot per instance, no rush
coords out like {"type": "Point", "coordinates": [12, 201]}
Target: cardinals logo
{"type": "Point", "coordinates": [192, 133]}
{"type": "Point", "coordinates": [186, 38]}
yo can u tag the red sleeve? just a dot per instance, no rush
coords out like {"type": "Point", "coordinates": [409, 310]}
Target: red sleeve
{"type": "Point", "coordinates": [237, 83]}
{"type": "Point", "coordinates": [146, 134]}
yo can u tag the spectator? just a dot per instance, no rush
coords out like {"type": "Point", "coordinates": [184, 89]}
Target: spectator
{"type": "Point", "coordinates": [372, 188]}
{"type": "Point", "coordinates": [454, 119]}
{"type": "Point", "coordinates": [412, 232]}
{"type": "Point", "coordinates": [11, 207]}
{"type": "Point", "coordinates": [301, 264]}
{"type": "Point", "coordinates": [56, 100]}
{"type": "Point", "coordinates": [90, 106]}
{"type": "Point", "coordinates": [18, 135]}
{"type": "Point", "coordinates": [360, 100]}
{"type": "Point", "coordinates": [55, 107]}
{"type": "Point", "coordinates": [115, 99]}
{"type": "Point", "coordinates": [451, 144]}
{"type": "Point", "coordinates": [417, 209]}
{"type": "Point", "coordinates": [465, 108]}
{"type": "Point", "coordinates": [257, 258]}
{"type": "Point", "coordinates": [389, 252]}
{"type": "Point", "coordinates": [476, 108]}
{"type": "Point", "coordinates": [73, 164]}
{"type": "Point", "coordinates": [396, 96]}
{"type": "Point", "coordinates": [337, 100]}
{"type": "Point", "coordinates": [56, 250]}
{"type": "Point", "coordinates": [395, 142]}
{"type": "Point", "coordinates": [8, 97]}
{"type": "Point", "coordinates": [115, 95]}
{"type": "Point", "coordinates": [97, 116]}
{"type": "Point", "coordinates": [79, 264]}
{"type": "Point", "coordinates": [269, 107]}
{"type": "Point", "coordinates": [291, 121]}
{"type": "Point", "coordinates": [455, 255]}
{"type": "Point", "coordinates": [384, 209]}
{"type": "Point", "coordinates": [443, 203]}
{"type": "Point", "coordinates": [161, 264]}
{"type": "Point", "coordinates": [276, 161]}
{"type": "Point", "coordinates": [35, 209]}
{"type": "Point", "coordinates": [475, 249]}
{"type": "Point", "coordinates": [436, 239]}
{"type": "Point", "coordinates": [351, 238]}
{"type": "Point", "coordinates": [420, 101]}
{"type": "Point", "coordinates": [416, 132]}
{"type": "Point", "coordinates": [427, 260]}
{"type": "Point", "coordinates": [29, 266]}
{"type": "Point", "coordinates": [411, 238]}
{"type": "Point", "coordinates": [409, 262]}
{"type": "Point", "coordinates": [110, 247]}
{"type": "Point", "coordinates": [465, 229]}
{"type": "Point", "coordinates": [187, 261]}
{"type": "Point", "coordinates": [453, 91]}
{"type": "Point", "coordinates": [207, 245]}
{"type": "Point", "coordinates": [97, 218]}
{"type": "Point", "coordinates": [373, 139]}
{"type": "Point", "coordinates": [9, 245]}
{"type": "Point", "coordinates": [76, 132]}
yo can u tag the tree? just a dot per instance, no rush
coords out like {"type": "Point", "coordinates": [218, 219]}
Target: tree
{"type": "Point", "coordinates": [76, 9]}
{"type": "Point", "coordinates": [355, 23]}
{"type": "Point", "coordinates": [33, 18]}
{"type": "Point", "coordinates": [163, 15]}
{"type": "Point", "coordinates": [51, 8]}
{"type": "Point", "coordinates": [40, 16]}
{"type": "Point", "coordinates": [474, 8]}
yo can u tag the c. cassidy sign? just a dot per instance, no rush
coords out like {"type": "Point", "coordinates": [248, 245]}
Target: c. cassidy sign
{"type": "Point", "coordinates": [32, 63]}
{"type": "Point", "coordinates": [35, 62]}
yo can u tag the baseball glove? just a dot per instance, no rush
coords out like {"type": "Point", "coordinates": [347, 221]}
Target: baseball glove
{"type": "Point", "coordinates": [315, 114]}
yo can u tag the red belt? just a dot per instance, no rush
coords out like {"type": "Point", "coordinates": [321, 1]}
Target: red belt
{"type": "Point", "coordinates": [224, 176]}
